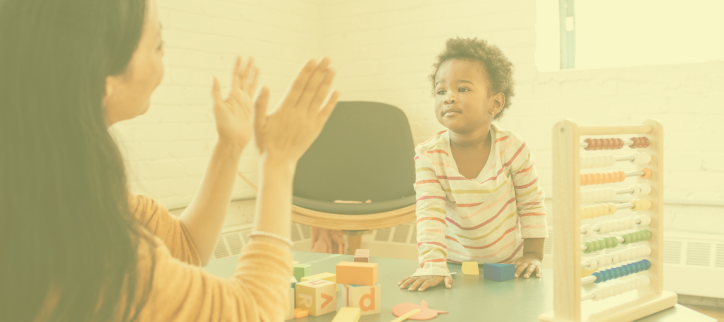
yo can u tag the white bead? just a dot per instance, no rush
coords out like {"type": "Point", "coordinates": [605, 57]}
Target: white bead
{"type": "Point", "coordinates": [592, 262]}
{"type": "Point", "coordinates": [645, 189]}
{"type": "Point", "coordinates": [607, 260]}
{"type": "Point", "coordinates": [645, 220]}
{"type": "Point", "coordinates": [587, 230]}
{"type": "Point", "coordinates": [642, 158]}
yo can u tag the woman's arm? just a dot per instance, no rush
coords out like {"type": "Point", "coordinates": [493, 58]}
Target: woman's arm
{"type": "Point", "coordinates": [259, 288]}
{"type": "Point", "coordinates": [204, 217]}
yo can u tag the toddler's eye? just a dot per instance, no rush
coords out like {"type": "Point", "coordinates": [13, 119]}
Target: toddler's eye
{"type": "Point", "coordinates": [463, 89]}
{"type": "Point", "coordinates": [441, 92]}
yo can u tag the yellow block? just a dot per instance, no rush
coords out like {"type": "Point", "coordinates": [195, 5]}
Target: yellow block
{"type": "Point", "coordinates": [471, 268]}
{"type": "Point", "coordinates": [317, 296]}
{"type": "Point", "coordinates": [323, 276]}
{"type": "Point", "coordinates": [348, 314]}
{"type": "Point", "coordinates": [586, 272]}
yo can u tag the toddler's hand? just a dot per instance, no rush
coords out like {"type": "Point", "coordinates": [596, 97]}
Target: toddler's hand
{"type": "Point", "coordinates": [528, 263]}
{"type": "Point", "coordinates": [424, 282]}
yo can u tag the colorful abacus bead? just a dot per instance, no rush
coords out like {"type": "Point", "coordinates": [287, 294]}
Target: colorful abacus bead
{"type": "Point", "coordinates": [597, 161]}
{"type": "Point", "coordinates": [598, 210]}
{"type": "Point", "coordinates": [603, 144]}
{"type": "Point", "coordinates": [642, 158]}
{"type": "Point", "coordinates": [637, 236]}
{"type": "Point", "coordinates": [624, 270]}
{"type": "Point", "coordinates": [600, 244]}
{"type": "Point", "coordinates": [601, 178]}
{"type": "Point", "coordinates": [641, 142]}
{"type": "Point", "coordinates": [641, 204]}
{"type": "Point", "coordinates": [647, 173]}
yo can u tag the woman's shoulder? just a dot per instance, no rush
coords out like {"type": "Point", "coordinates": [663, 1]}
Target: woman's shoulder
{"type": "Point", "coordinates": [436, 142]}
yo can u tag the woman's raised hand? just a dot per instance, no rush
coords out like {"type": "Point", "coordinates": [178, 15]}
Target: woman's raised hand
{"type": "Point", "coordinates": [233, 114]}
{"type": "Point", "coordinates": [288, 132]}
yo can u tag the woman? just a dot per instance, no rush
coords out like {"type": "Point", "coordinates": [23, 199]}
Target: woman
{"type": "Point", "coordinates": [76, 245]}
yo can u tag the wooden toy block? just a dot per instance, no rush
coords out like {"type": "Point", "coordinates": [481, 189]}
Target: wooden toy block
{"type": "Point", "coordinates": [499, 272]}
{"type": "Point", "coordinates": [323, 276]}
{"type": "Point", "coordinates": [293, 281]}
{"type": "Point", "coordinates": [319, 297]}
{"type": "Point", "coordinates": [587, 272]}
{"type": "Point", "coordinates": [301, 270]}
{"type": "Point", "coordinates": [362, 256]}
{"type": "Point", "coordinates": [300, 313]}
{"type": "Point", "coordinates": [367, 298]}
{"type": "Point", "coordinates": [357, 273]}
{"type": "Point", "coordinates": [291, 307]}
{"type": "Point", "coordinates": [470, 268]}
{"type": "Point", "coordinates": [347, 314]}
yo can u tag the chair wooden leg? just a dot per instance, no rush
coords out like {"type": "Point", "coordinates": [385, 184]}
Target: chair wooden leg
{"type": "Point", "coordinates": [355, 242]}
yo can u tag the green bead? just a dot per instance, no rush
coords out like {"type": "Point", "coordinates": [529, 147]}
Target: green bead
{"type": "Point", "coordinates": [647, 234]}
{"type": "Point", "coordinates": [615, 241]}
{"type": "Point", "coordinates": [589, 247]}
{"type": "Point", "coordinates": [601, 244]}
{"type": "Point", "coordinates": [626, 238]}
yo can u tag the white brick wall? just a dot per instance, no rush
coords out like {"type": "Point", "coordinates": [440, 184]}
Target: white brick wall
{"type": "Point", "coordinates": [383, 51]}
{"type": "Point", "coordinates": [167, 149]}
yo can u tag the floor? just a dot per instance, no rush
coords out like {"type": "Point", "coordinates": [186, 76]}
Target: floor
{"type": "Point", "coordinates": [715, 312]}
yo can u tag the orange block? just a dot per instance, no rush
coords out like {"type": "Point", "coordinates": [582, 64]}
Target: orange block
{"type": "Point", "coordinates": [356, 273]}
{"type": "Point", "coordinates": [300, 313]}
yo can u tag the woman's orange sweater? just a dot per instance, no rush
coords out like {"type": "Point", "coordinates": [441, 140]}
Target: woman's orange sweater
{"type": "Point", "coordinates": [182, 291]}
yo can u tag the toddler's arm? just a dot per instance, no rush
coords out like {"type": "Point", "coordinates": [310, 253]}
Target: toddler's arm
{"type": "Point", "coordinates": [431, 199]}
{"type": "Point", "coordinates": [529, 195]}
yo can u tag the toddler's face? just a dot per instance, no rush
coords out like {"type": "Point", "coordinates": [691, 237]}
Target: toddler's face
{"type": "Point", "coordinates": [461, 96]}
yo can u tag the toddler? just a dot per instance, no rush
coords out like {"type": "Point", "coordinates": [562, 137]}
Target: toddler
{"type": "Point", "coordinates": [478, 194]}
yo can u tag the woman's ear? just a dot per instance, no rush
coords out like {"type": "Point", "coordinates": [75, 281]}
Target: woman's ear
{"type": "Point", "coordinates": [111, 84]}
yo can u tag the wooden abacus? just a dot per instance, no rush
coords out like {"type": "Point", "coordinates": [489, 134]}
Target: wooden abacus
{"type": "Point", "coordinates": [638, 265]}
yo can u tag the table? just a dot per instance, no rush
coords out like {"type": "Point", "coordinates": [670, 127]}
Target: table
{"type": "Point", "coordinates": [472, 298]}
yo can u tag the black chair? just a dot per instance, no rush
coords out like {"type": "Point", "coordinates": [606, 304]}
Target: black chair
{"type": "Point", "coordinates": [365, 152]}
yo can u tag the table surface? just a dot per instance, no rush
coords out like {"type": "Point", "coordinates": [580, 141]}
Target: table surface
{"type": "Point", "coordinates": [472, 298]}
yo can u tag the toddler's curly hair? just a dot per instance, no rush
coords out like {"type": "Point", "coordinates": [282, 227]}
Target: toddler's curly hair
{"type": "Point", "coordinates": [497, 67]}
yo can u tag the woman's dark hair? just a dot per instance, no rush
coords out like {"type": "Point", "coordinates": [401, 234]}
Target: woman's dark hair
{"type": "Point", "coordinates": [497, 67]}
{"type": "Point", "coordinates": [66, 231]}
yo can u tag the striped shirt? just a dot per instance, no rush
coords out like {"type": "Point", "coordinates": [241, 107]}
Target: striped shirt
{"type": "Point", "coordinates": [484, 219]}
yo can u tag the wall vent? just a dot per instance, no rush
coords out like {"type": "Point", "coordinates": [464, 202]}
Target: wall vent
{"type": "Point", "coordinates": [233, 239]}
{"type": "Point", "coordinates": [720, 255]}
{"type": "Point", "coordinates": [382, 235]}
{"type": "Point", "coordinates": [697, 253]}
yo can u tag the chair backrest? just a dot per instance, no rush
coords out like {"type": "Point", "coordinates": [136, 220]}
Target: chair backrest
{"type": "Point", "coordinates": [365, 152]}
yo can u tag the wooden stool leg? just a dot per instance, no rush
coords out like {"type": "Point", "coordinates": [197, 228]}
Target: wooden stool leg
{"type": "Point", "coordinates": [355, 241]}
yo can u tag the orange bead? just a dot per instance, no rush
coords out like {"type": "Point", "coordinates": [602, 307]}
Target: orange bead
{"type": "Point", "coordinates": [645, 143]}
{"type": "Point", "coordinates": [647, 173]}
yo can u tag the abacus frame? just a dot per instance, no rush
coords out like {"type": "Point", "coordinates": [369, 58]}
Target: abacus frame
{"type": "Point", "coordinates": [567, 271]}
